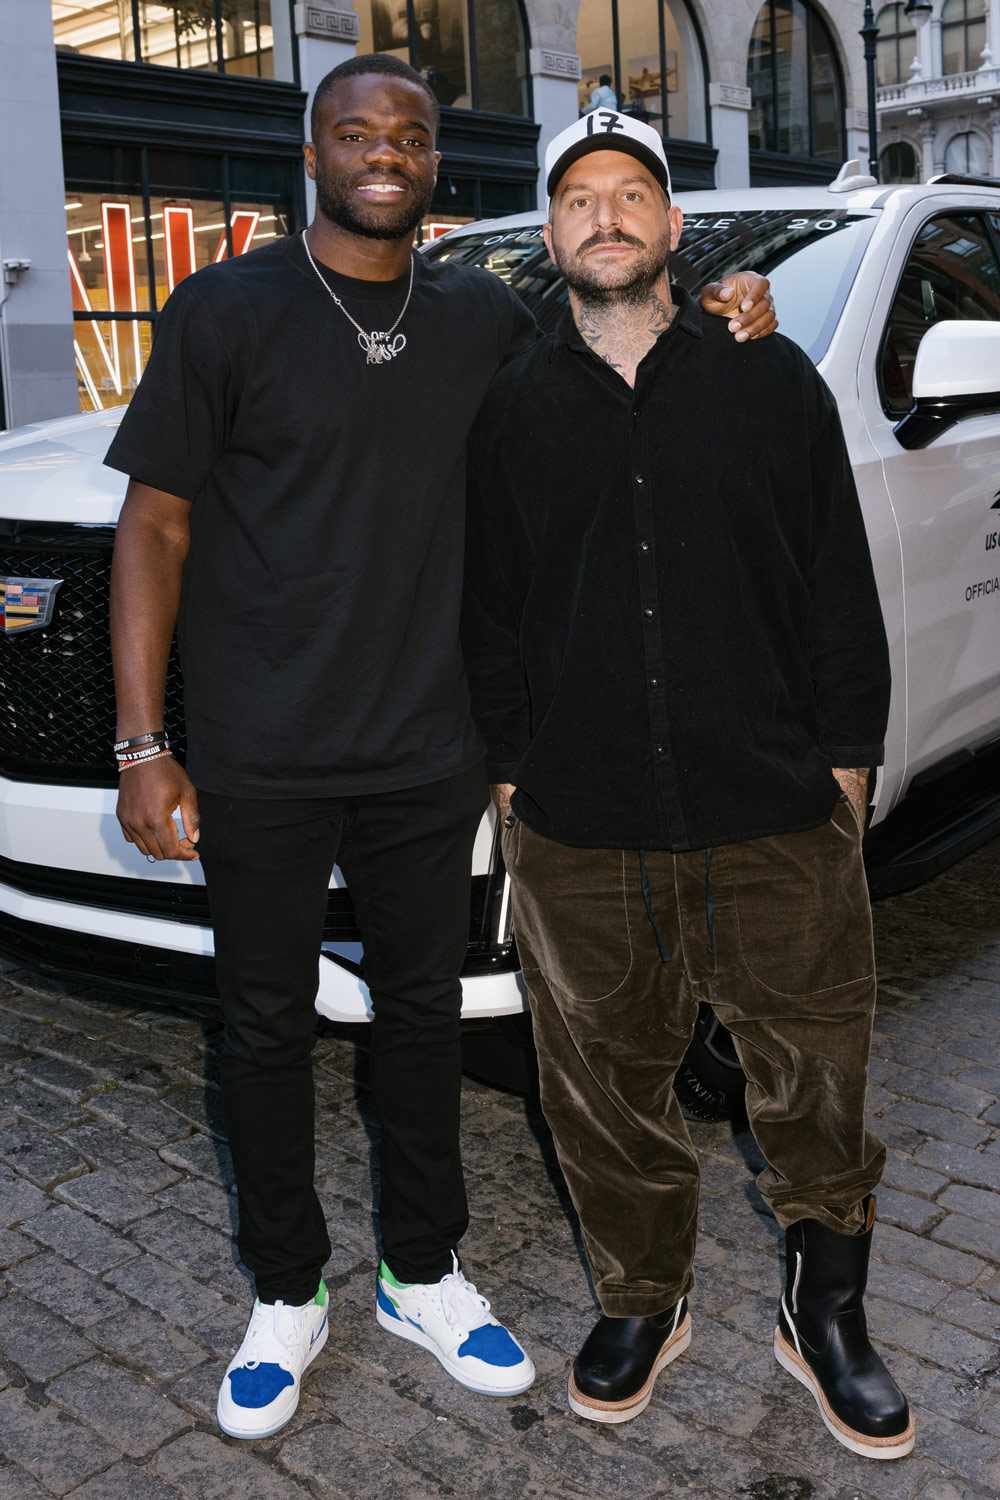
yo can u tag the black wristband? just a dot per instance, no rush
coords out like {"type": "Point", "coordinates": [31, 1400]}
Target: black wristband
{"type": "Point", "coordinates": [140, 739]}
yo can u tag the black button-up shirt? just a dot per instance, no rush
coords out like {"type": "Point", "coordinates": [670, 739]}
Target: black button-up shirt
{"type": "Point", "coordinates": [671, 627]}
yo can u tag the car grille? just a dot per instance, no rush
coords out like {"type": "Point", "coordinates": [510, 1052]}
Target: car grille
{"type": "Point", "coordinates": [58, 724]}
{"type": "Point", "coordinates": [58, 719]}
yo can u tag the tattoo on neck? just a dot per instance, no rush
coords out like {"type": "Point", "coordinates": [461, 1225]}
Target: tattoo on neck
{"type": "Point", "coordinates": [623, 335]}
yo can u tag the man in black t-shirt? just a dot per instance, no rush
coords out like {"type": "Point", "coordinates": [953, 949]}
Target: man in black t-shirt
{"type": "Point", "coordinates": [296, 450]}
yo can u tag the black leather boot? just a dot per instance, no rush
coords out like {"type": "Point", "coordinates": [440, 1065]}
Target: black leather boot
{"type": "Point", "coordinates": [615, 1371]}
{"type": "Point", "coordinates": [822, 1339]}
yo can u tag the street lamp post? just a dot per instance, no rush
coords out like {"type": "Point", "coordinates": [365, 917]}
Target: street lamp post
{"type": "Point", "coordinates": [869, 35]}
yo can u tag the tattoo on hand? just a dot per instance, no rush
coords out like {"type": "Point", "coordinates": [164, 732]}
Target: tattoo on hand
{"type": "Point", "coordinates": [853, 782]}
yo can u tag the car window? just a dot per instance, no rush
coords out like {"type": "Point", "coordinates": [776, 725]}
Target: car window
{"type": "Point", "coordinates": [811, 258]}
{"type": "Point", "coordinates": [951, 272]}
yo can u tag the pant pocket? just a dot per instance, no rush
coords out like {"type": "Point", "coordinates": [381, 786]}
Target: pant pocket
{"type": "Point", "coordinates": [803, 915]}
{"type": "Point", "coordinates": [571, 906]}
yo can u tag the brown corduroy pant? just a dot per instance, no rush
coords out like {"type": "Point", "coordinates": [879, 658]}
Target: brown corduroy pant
{"type": "Point", "coordinates": [617, 948]}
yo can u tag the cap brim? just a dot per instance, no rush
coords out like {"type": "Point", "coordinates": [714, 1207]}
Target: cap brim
{"type": "Point", "coordinates": [603, 142]}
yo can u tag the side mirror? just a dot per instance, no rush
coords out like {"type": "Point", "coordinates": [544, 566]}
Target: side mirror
{"type": "Point", "coordinates": [956, 375]}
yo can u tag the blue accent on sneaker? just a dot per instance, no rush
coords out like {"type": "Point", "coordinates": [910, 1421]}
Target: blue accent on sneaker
{"type": "Point", "coordinates": [493, 1345]}
{"type": "Point", "coordinates": [259, 1386]}
{"type": "Point", "coordinates": [384, 1303]}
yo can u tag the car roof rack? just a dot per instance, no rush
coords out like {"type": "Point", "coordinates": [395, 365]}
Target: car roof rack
{"type": "Point", "coordinates": [960, 179]}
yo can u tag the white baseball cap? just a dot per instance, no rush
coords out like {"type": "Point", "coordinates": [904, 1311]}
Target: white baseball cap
{"type": "Point", "coordinates": [606, 130]}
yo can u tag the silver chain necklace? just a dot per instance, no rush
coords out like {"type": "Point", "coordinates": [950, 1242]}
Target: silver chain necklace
{"type": "Point", "coordinates": [379, 347]}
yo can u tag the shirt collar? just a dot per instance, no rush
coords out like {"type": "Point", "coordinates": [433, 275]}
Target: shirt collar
{"type": "Point", "coordinates": [689, 316]}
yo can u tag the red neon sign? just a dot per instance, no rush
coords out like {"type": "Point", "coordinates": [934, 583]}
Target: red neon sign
{"type": "Point", "coordinates": [178, 235]}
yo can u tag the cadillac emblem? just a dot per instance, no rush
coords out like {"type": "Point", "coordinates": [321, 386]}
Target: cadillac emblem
{"type": "Point", "coordinates": [27, 603]}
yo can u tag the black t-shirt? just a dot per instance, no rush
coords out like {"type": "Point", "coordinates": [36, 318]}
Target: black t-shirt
{"type": "Point", "coordinates": [319, 621]}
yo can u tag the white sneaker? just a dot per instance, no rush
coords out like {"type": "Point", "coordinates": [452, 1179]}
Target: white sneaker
{"type": "Point", "coordinates": [454, 1322]}
{"type": "Point", "coordinates": [260, 1389]}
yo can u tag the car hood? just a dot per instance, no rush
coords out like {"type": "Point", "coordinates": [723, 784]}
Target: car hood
{"type": "Point", "coordinates": [54, 471]}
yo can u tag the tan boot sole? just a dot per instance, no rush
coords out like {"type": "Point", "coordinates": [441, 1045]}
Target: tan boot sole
{"type": "Point", "coordinates": [897, 1446]}
{"type": "Point", "coordinates": [624, 1411]}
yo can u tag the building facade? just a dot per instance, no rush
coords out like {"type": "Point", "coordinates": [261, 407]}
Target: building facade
{"type": "Point", "coordinates": [939, 90]}
{"type": "Point", "coordinates": [150, 137]}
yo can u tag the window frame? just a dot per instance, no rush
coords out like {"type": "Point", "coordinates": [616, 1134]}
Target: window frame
{"type": "Point", "coordinates": [963, 24]}
{"type": "Point", "coordinates": [896, 37]}
{"type": "Point", "coordinates": [218, 22]}
{"type": "Point", "coordinates": [662, 44]}
{"type": "Point", "coordinates": [471, 36]}
{"type": "Point", "coordinates": [955, 210]}
{"type": "Point", "coordinates": [966, 136]}
{"type": "Point", "coordinates": [812, 18]}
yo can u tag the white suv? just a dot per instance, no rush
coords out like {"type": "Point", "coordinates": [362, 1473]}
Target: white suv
{"type": "Point", "coordinates": [895, 294]}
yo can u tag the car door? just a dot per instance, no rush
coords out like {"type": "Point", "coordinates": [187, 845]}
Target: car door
{"type": "Point", "coordinates": [944, 496]}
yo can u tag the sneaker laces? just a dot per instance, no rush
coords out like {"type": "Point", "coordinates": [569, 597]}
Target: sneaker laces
{"type": "Point", "coordinates": [464, 1308]}
{"type": "Point", "coordinates": [280, 1328]}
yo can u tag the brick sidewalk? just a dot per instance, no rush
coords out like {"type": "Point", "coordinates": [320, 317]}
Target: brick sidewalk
{"type": "Point", "coordinates": [120, 1300]}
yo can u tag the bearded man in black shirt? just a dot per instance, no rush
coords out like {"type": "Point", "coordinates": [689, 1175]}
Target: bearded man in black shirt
{"type": "Point", "coordinates": [296, 450]}
{"type": "Point", "coordinates": [678, 662]}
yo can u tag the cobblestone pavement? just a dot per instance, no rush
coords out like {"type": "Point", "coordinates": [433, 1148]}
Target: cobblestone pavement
{"type": "Point", "coordinates": [121, 1300]}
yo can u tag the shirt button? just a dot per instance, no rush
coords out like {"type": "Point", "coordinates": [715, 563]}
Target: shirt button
{"type": "Point", "coordinates": [640, 479]}
{"type": "Point", "coordinates": [643, 546]}
{"type": "Point", "coordinates": [659, 749]}
{"type": "Point", "coordinates": [648, 613]}
{"type": "Point", "coordinates": [654, 682]}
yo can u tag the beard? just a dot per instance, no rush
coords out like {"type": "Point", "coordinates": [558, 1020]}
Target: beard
{"type": "Point", "coordinates": [614, 286]}
{"type": "Point", "coordinates": [335, 202]}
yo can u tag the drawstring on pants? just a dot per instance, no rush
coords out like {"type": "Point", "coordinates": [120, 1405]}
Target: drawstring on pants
{"type": "Point", "coordinates": [709, 903]}
{"type": "Point", "coordinates": [647, 897]}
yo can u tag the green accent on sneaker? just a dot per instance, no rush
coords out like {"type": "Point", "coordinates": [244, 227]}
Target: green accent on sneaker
{"type": "Point", "coordinates": [320, 1298]}
{"type": "Point", "coordinates": [387, 1276]}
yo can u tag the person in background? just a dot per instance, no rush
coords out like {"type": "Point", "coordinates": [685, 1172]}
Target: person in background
{"type": "Point", "coordinates": [603, 96]}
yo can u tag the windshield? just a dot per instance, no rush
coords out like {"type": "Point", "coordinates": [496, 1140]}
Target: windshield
{"type": "Point", "coordinates": [811, 258]}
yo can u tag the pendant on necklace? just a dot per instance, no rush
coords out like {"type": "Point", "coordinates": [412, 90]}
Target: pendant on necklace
{"type": "Point", "coordinates": [379, 348]}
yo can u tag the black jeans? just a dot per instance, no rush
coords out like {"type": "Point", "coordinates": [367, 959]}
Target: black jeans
{"type": "Point", "coordinates": [407, 858]}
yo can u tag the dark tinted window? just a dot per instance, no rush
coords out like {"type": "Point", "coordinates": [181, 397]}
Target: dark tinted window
{"type": "Point", "coordinates": [952, 272]}
{"type": "Point", "coordinates": [811, 258]}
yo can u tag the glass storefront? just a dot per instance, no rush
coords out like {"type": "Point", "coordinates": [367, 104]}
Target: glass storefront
{"type": "Point", "coordinates": [651, 51]}
{"type": "Point", "coordinates": [162, 182]}
{"type": "Point", "coordinates": [228, 36]}
{"type": "Point", "coordinates": [473, 53]}
{"type": "Point", "coordinates": [127, 251]}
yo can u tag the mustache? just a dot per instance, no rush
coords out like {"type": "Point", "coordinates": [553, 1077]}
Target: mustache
{"type": "Point", "coordinates": [618, 238]}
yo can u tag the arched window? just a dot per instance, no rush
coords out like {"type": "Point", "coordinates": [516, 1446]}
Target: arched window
{"type": "Point", "coordinates": [652, 52]}
{"type": "Point", "coordinates": [473, 53]}
{"type": "Point", "coordinates": [963, 35]}
{"type": "Point", "coordinates": [899, 163]}
{"type": "Point", "coordinates": [967, 154]}
{"type": "Point", "coordinates": [796, 89]}
{"type": "Point", "coordinates": [897, 45]}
